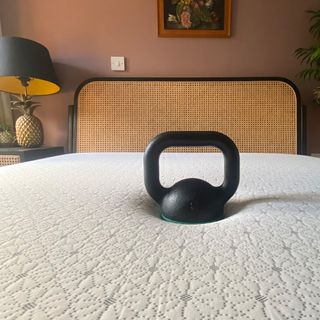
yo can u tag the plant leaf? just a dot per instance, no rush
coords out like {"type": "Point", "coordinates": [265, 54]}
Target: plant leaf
{"type": "Point", "coordinates": [309, 74]}
{"type": "Point", "coordinates": [310, 55]}
{"type": "Point", "coordinates": [315, 20]}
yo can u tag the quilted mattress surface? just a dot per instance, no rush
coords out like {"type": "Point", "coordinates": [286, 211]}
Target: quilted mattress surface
{"type": "Point", "coordinates": [81, 239]}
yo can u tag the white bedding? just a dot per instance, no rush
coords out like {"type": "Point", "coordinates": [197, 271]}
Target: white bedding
{"type": "Point", "coordinates": [81, 239]}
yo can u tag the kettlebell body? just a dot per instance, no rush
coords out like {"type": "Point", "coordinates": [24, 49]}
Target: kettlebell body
{"type": "Point", "coordinates": [191, 200]}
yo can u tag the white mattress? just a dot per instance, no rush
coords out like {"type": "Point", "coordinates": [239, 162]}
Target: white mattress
{"type": "Point", "coordinates": [81, 239]}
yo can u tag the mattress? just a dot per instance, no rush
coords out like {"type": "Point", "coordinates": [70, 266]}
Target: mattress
{"type": "Point", "coordinates": [81, 239]}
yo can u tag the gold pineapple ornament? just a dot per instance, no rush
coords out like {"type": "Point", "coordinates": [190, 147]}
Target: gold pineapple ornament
{"type": "Point", "coordinates": [29, 131]}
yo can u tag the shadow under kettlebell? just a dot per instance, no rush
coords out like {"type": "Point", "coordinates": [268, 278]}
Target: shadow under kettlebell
{"type": "Point", "coordinates": [191, 200]}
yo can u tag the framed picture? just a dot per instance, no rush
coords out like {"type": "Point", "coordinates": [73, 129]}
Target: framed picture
{"type": "Point", "coordinates": [194, 18]}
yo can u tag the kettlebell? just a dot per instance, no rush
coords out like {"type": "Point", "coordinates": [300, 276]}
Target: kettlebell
{"type": "Point", "coordinates": [191, 200]}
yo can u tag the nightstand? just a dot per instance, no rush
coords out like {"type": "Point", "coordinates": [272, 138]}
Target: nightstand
{"type": "Point", "coordinates": [18, 154]}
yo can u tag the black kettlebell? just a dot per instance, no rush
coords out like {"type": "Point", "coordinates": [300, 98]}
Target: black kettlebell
{"type": "Point", "coordinates": [191, 200]}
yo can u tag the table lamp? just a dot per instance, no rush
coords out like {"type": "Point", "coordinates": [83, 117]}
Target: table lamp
{"type": "Point", "coordinates": [26, 70]}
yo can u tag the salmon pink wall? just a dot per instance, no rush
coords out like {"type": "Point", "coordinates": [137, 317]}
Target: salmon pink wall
{"type": "Point", "coordinates": [81, 36]}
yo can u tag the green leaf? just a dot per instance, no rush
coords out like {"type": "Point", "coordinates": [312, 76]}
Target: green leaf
{"type": "Point", "coordinates": [4, 127]}
{"type": "Point", "coordinates": [310, 74]}
{"type": "Point", "coordinates": [315, 20]}
{"type": "Point", "coordinates": [310, 56]}
{"type": "Point", "coordinates": [316, 94]}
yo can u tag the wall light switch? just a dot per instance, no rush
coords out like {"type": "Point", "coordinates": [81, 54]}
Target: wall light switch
{"type": "Point", "coordinates": [118, 64]}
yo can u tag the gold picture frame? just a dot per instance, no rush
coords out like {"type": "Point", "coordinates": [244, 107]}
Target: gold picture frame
{"type": "Point", "coordinates": [194, 18]}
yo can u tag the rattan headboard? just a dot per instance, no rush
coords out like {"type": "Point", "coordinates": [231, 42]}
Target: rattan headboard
{"type": "Point", "coordinates": [124, 114]}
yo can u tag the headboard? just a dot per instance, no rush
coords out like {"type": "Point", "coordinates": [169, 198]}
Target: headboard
{"type": "Point", "coordinates": [124, 114]}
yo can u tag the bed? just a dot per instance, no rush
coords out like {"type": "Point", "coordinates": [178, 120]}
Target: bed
{"type": "Point", "coordinates": [81, 239]}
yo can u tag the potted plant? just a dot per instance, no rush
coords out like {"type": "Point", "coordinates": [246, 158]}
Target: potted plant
{"type": "Point", "coordinates": [311, 56]}
{"type": "Point", "coordinates": [6, 135]}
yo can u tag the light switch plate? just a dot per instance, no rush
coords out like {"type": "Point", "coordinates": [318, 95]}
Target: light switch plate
{"type": "Point", "coordinates": [118, 64]}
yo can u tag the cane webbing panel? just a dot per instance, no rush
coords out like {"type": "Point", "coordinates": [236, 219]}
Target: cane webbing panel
{"type": "Point", "coordinates": [260, 116]}
{"type": "Point", "coordinates": [6, 160]}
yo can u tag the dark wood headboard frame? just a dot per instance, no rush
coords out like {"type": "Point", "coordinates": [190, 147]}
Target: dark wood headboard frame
{"type": "Point", "coordinates": [301, 113]}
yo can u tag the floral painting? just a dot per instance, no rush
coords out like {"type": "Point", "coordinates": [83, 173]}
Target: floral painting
{"type": "Point", "coordinates": [194, 17]}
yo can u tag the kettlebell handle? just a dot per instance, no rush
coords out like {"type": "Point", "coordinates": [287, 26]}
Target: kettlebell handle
{"type": "Point", "coordinates": [186, 139]}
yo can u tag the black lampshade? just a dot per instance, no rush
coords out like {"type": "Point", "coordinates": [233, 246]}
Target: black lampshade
{"type": "Point", "coordinates": [24, 60]}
